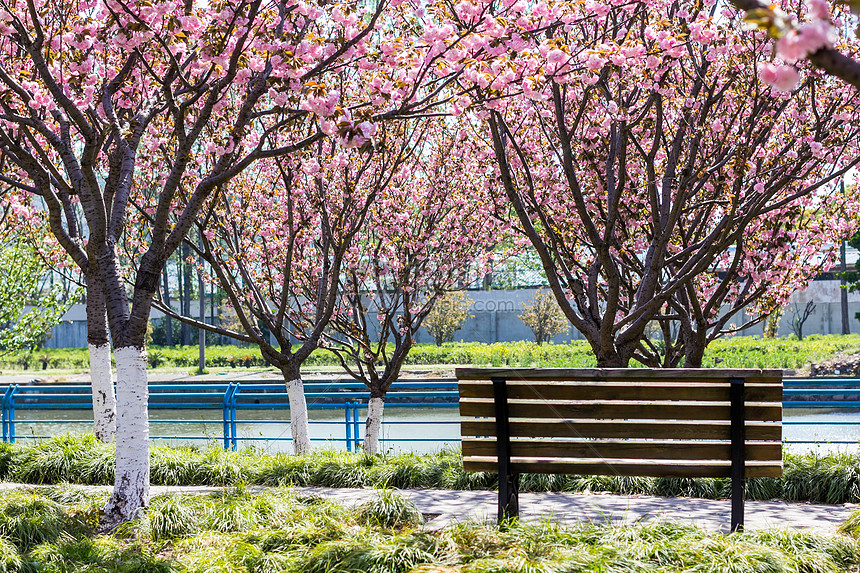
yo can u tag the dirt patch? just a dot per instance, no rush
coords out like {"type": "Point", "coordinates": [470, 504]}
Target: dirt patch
{"type": "Point", "coordinates": [846, 365]}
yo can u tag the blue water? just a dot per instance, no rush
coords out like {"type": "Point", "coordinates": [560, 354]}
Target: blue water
{"type": "Point", "coordinates": [426, 429]}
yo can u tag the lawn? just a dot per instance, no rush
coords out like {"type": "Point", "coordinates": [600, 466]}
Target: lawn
{"type": "Point", "coordinates": [734, 352]}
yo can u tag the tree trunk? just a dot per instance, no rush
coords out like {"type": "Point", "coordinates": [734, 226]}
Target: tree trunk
{"type": "Point", "coordinates": [131, 484]}
{"type": "Point", "coordinates": [298, 411]}
{"type": "Point", "coordinates": [104, 401]}
{"type": "Point", "coordinates": [613, 357]}
{"type": "Point", "coordinates": [694, 354]}
{"type": "Point", "coordinates": [373, 425]}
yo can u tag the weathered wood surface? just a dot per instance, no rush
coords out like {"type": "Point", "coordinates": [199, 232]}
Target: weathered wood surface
{"type": "Point", "coordinates": [623, 449]}
{"type": "Point", "coordinates": [622, 429]}
{"type": "Point", "coordinates": [644, 468]}
{"type": "Point", "coordinates": [621, 410]}
{"type": "Point", "coordinates": [752, 375]}
{"type": "Point", "coordinates": [699, 391]}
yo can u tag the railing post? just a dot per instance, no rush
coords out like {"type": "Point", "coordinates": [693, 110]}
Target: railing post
{"type": "Point", "coordinates": [348, 424]}
{"type": "Point", "coordinates": [6, 413]}
{"type": "Point", "coordinates": [11, 420]}
{"type": "Point", "coordinates": [356, 429]}
{"type": "Point", "coordinates": [234, 402]}
{"type": "Point", "coordinates": [226, 415]}
{"type": "Point", "coordinates": [738, 447]}
{"type": "Point", "coordinates": [509, 506]}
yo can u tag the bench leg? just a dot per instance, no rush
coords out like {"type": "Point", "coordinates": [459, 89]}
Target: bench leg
{"type": "Point", "coordinates": [738, 437]}
{"type": "Point", "coordinates": [509, 482]}
{"type": "Point", "coordinates": [509, 497]}
{"type": "Point", "coordinates": [738, 487]}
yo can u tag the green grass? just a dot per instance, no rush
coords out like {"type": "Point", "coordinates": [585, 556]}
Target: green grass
{"type": "Point", "coordinates": [280, 531]}
{"type": "Point", "coordinates": [832, 478]}
{"type": "Point", "coordinates": [734, 352]}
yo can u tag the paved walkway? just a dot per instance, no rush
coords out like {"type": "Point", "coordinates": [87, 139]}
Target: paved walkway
{"type": "Point", "coordinates": [448, 506]}
{"type": "Point", "coordinates": [570, 508]}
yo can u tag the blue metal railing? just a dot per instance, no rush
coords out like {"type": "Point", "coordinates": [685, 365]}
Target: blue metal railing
{"type": "Point", "coordinates": [807, 393]}
{"type": "Point", "coordinates": [231, 398]}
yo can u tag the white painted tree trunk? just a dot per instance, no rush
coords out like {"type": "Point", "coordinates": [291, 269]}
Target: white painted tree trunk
{"type": "Point", "coordinates": [131, 485]}
{"type": "Point", "coordinates": [373, 425]}
{"type": "Point", "coordinates": [299, 416]}
{"type": "Point", "coordinates": [104, 401]}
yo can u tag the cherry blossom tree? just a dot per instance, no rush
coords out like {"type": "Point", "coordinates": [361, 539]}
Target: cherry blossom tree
{"type": "Point", "coordinates": [431, 229]}
{"type": "Point", "coordinates": [93, 90]}
{"type": "Point", "coordinates": [808, 31]}
{"type": "Point", "coordinates": [285, 230]}
{"type": "Point", "coordinates": [32, 222]}
{"type": "Point", "coordinates": [769, 262]}
{"type": "Point", "coordinates": [637, 146]}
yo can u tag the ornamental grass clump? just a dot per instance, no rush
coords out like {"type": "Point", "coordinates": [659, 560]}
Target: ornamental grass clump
{"type": "Point", "coordinates": [277, 530]}
{"type": "Point", "coordinates": [28, 519]}
{"type": "Point", "coordinates": [81, 459]}
{"type": "Point", "coordinates": [390, 510]}
{"type": "Point", "coordinates": [10, 561]}
{"type": "Point", "coordinates": [63, 458]}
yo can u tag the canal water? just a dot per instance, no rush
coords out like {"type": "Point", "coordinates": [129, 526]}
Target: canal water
{"type": "Point", "coordinates": [405, 429]}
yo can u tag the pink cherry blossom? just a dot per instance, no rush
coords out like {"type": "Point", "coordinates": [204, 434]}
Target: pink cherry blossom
{"type": "Point", "coordinates": [782, 77]}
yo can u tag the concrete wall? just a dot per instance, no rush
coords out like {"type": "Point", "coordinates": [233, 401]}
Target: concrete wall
{"type": "Point", "coordinates": [496, 317]}
{"type": "Point", "coordinates": [827, 317]}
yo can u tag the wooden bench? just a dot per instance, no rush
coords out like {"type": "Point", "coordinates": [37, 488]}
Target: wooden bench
{"type": "Point", "coordinates": [624, 422]}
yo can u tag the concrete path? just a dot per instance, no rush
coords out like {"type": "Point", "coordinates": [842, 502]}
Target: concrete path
{"type": "Point", "coordinates": [443, 507]}
{"type": "Point", "coordinates": [455, 506]}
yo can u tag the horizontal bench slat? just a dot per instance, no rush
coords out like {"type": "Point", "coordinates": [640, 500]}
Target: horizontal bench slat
{"type": "Point", "coordinates": [573, 428]}
{"type": "Point", "coordinates": [751, 375]}
{"type": "Point", "coordinates": [757, 411]}
{"type": "Point", "coordinates": [554, 390]}
{"type": "Point", "coordinates": [663, 450]}
{"type": "Point", "coordinates": [645, 468]}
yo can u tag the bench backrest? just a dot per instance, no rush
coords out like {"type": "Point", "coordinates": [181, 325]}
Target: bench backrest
{"type": "Point", "coordinates": [671, 422]}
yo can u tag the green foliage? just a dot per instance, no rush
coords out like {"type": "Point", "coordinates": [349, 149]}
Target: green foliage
{"type": "Point", "coordinates": [10, 561]}
{"type": "Point", "coordinates": [735, 352]}
{"type": "Point", "coordinates": [544, 317]}
{"type": "Point", "coordinates": [280, 531]}
{"type": "Point", "coordinates": [851, 526]}
{"type": "Point", "coordinates": [74, 458]}
{"type": "Point", "coordinates": [103, 554]}
{"type": "Point", "coordinates": [832, 478]}
{"type": "Point", "coordinates": [21, 284]}
{"type": "Point", "coordinates": [447, 316]}
{"type": "Point", "coordinates": [390, 510]}
{"type": "Point", "coordinates": [27, 519]}
{"type": "Point", "coordinates": [754, 352]}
